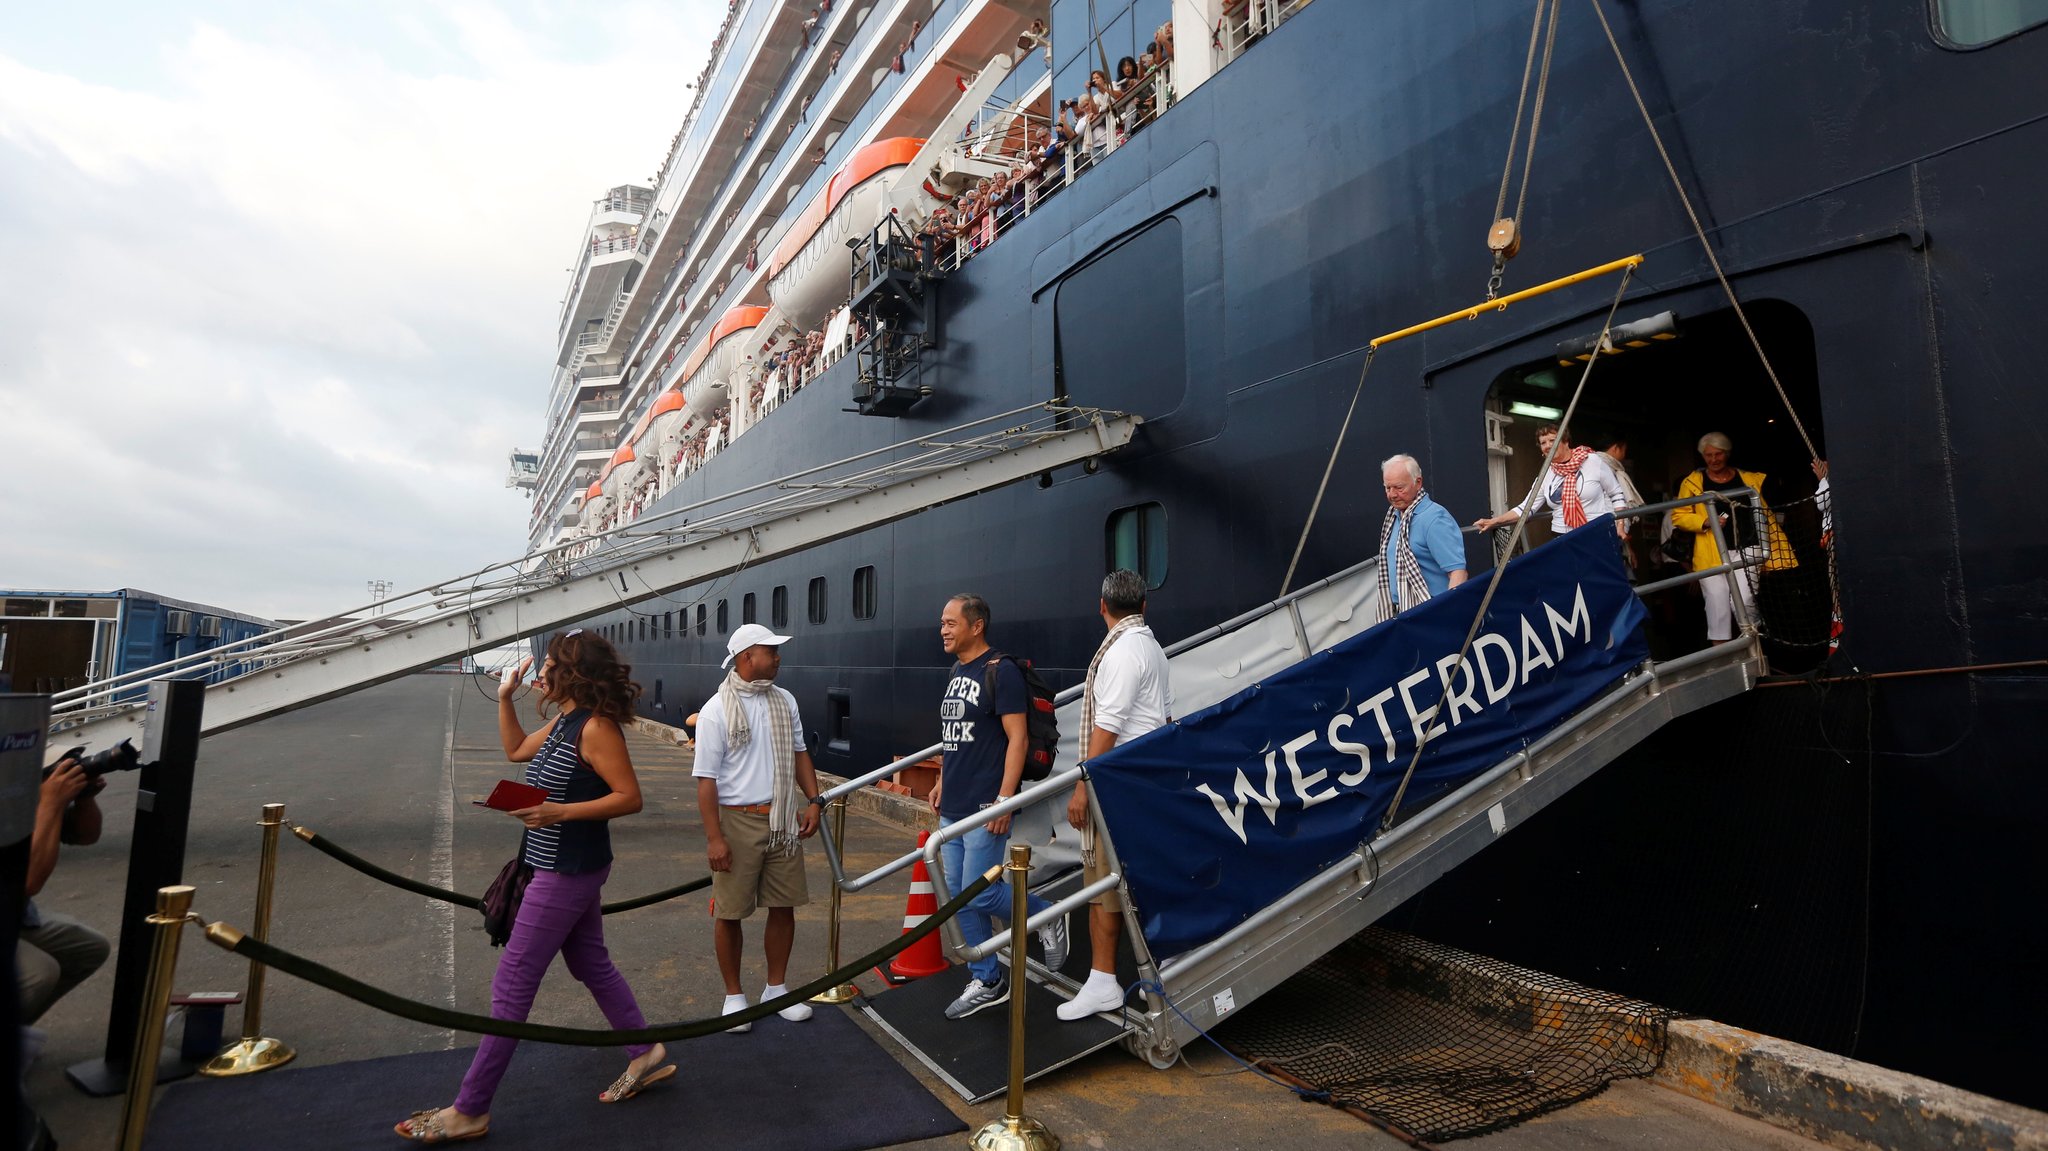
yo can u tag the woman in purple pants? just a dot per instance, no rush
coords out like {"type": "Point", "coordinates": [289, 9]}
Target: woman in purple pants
{"type": "Point", "coordinates": [582, 764]}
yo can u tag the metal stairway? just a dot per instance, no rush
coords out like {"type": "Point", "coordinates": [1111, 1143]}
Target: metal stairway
{"type": "Point", "coordinates": [1208, 982]}
{"type": "Point", "coordinates": [301, 665]}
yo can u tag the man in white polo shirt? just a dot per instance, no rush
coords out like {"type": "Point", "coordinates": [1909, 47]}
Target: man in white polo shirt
{"type": "Point", "coordinates": [1126, 695]}
{"type": "Point", "coordinates": [755, 791]}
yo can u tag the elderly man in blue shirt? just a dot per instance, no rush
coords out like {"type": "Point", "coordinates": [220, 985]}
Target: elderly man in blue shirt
{"type": "Point", "coordinates": [1422, 551]}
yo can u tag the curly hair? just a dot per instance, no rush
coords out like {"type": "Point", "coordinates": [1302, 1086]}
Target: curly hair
{"type": "Point", "coordinates": [588, 673]}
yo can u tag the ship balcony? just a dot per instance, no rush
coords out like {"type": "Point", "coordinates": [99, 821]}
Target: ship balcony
{"type": "Point", "coordinates": [843, 113]}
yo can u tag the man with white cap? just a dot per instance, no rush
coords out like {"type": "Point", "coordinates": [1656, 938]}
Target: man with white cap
{"type": "Point", "coordinates": [755, 790]}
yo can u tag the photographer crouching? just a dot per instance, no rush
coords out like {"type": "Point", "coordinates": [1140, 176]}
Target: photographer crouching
{"type": "Point", "coordinates": [57, 952]}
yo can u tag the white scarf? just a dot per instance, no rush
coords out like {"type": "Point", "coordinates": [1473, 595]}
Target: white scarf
{"type": "Point", "coordinates": [782, 811]}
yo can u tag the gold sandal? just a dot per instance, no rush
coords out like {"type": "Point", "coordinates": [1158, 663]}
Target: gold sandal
{"type": "Point", "coordinates": [424, 1127]}
{"type": "Point", "coordinates": [628, 1085]}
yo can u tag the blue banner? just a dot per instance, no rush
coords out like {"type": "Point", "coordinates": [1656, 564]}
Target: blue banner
{"type": "Point", "coordinates": [1221, 813]}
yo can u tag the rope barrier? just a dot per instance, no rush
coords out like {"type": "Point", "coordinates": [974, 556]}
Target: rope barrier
{"type": "Point", "coordinates": [232, 939]}
{"type": "Point", "coordinates": [473, 902]}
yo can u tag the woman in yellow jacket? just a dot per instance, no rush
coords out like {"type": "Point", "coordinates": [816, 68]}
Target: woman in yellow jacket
{"type": "Point", "coordinates": [1740, 525]}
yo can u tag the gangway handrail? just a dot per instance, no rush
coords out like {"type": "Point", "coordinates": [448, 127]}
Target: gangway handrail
{"type": "Point", "coordinates": [1234, 623]}
{"type": "Point", "coordinates": [1186, 643]}
{"type": "Point", "coordinates": [302, 664]}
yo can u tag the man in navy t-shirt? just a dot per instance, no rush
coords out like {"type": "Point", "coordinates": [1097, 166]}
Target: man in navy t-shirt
{"type": "Point", "coordinates": [982, 724]}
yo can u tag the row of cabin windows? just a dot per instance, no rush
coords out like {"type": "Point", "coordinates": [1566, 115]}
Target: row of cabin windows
{"type": "Point", "coordinates": [1134, 538]}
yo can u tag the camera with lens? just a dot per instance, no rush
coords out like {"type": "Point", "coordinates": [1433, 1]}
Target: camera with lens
{"type": "Point", "coordinates": [120, 757]}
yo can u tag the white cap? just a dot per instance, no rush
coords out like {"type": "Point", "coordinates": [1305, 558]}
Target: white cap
{"type": "Point", "coordinates": [747, 635]}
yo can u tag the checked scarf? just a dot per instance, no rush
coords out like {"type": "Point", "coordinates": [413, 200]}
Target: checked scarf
{"type": "Point", "coordinates": [1406, 569]}
{"type": "Point", "coordinates": [782, 812]}
{"type": "Point", "coordinates": [1116, 632]}
{"type": "Point", "coordinates": [1568, 502]}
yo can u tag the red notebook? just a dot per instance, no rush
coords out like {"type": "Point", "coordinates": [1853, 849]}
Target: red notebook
{"type": "Point", "coordinates": [511, 796]}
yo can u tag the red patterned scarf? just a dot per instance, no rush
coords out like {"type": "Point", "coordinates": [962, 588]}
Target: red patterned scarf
{"type": "Point", "coordinates": [1568, 467]}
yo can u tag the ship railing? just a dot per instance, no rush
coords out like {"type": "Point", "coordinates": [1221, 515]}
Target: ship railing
{"type": "Point", "coordinates": [1244, 21]}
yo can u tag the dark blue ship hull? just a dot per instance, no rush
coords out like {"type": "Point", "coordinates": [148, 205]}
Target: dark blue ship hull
{"type": "Point", "coordinates": [1856, 865]}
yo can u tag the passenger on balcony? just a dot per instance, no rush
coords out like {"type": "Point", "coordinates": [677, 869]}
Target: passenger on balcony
{"type": "Point", "coordinates": [1422, 553]}
{"type": "Point", "coordinates": [1578, 486]}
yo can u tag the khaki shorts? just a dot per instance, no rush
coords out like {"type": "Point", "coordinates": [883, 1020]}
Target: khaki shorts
{"type": "Point", "coordinates": [1092, 869]}
{"type": "Point", "coordinates": [757, 879]}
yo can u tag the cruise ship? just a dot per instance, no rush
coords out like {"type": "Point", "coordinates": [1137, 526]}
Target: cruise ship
{"type": "Point", "coordinates": [1201, 212]}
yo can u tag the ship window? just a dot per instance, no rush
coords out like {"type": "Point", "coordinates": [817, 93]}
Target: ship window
{"type": "Point", "coordinates": [668, 624]}
{"type": "Point", "coordinates": [817, 604]}
{"type": "Point", "coordinates": [778, 606]}
{"type": "Point", "coordinates": [1137, 540]}
{"type": "Point", "coordinates": [747, 608]}
{"type": "Point", "coordinates": [724, 619]}
{"type": "Point", "coordinates": [28, 607]}
{"type": "Point", "coordinates": [864, 592]}
{"type": "Point", "coordinates": [1135, 286]}
{"type": "Point", "coordinates": [1968, 23]}
{"type": "Point", "coordinates": [700, 618]}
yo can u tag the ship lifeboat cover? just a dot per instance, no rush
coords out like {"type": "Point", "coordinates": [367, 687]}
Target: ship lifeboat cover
{"type": "Point", "coordinates": [805, 288]}
{"type": "Point", "coordinates": [710, 369]}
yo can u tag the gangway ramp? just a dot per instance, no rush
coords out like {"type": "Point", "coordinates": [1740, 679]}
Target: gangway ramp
{"type": "Point", "coordinates": [301, 665]}
{"type": "Point", "coordinates": [1198, 816]}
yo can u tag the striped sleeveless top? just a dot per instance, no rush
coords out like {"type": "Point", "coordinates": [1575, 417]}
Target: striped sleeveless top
{"type": "Point", "coordinates": [571, 847]}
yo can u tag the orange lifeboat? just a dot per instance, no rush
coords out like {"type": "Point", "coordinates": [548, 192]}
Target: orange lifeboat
{"type": "Point", "coordinates": [807, 272]}
{"type": "Point", "coordinates": [707, 375]}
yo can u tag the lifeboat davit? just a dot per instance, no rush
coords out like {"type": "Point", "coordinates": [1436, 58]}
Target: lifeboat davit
{"type": "Point", "coordinates": [707, 375]}
{"type": "Point", "coordinates": [807, 273]}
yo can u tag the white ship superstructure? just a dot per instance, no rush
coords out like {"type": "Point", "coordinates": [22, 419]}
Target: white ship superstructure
{"type": "Point", "coordinates": [698, 305]}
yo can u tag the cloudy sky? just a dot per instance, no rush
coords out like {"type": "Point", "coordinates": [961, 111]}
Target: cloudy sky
{"type": "Point", "coordinates": [279, 282]}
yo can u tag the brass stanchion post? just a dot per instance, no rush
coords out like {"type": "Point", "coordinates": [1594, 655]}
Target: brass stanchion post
{"type": "Point", "coordinates": [845, 992]}
{"type": "Point", "coordinates": [255, 1053]}
{"type": "Point", "coordinates": [1014, 1132]}
{"type": "Point", "coordinates": [173, 907]}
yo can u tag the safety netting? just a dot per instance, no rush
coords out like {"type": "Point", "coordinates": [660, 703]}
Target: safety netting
{"type": "Point", "coordinates": [1437, 1043]}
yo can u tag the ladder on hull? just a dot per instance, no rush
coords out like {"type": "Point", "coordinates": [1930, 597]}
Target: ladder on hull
{"type": "Point", "coordinates": [304, 664]}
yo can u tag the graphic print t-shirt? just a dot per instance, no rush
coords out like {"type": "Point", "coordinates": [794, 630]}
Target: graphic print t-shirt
{"type": "Point", "coordinates": [971, 728]}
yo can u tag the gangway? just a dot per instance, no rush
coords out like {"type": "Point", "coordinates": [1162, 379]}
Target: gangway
{"type": "Point", "coordinates": [304, 664]}
{"type": "Point", "coordinates": [1389, 864]}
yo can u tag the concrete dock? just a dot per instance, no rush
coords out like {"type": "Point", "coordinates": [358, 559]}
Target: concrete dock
{"type": "Point", "coordinates": [390, 772]}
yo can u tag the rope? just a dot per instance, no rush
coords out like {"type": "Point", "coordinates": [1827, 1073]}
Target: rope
{"type": "Point", "coordinates": [1564, 424]}
{"type": "Point", "coordinates": [1507, 166]}
{"type": "Point", "coordinates": [1316, 505]}
{"type": "Point", "coordinates": [1698, 230]}
{"type": "Point", "coordinates": [442, 1018]}
{"type": "Point", "coordinates": [473, 902]}
{"type": "Point", "coordinates": [1536, 109]}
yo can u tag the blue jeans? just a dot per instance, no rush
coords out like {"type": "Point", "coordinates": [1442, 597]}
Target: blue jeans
{"type": "Point", "coordinates": [966, 858]}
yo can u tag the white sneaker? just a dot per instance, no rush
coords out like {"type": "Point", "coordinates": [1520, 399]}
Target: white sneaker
{"type": "Point", "coordinates": [1092, 999]}
{"type": "Point", "coordinates": [796, 1012]}
{"type": "Point", "coordinates": [734, 1004]}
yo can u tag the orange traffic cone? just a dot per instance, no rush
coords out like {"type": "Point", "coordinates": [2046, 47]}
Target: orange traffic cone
{"type": "Point", "coordinates": [925, 957]}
